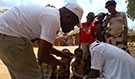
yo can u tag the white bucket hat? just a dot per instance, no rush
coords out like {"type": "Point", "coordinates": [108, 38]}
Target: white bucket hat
{"type": "Point", "coordinates": [76, 9]}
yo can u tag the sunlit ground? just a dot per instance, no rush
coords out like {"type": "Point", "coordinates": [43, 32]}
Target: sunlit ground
{"type": "Point", "coordinates": [4, 74]}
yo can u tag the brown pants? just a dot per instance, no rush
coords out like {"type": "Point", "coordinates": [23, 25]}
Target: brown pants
{"type": "Point", "coordinates": [17, 54]}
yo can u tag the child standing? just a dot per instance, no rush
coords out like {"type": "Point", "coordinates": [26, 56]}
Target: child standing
{"type": "Point", "coordinates": [78, 64]}
{"type": "Point", "coordinates": [64, 71]}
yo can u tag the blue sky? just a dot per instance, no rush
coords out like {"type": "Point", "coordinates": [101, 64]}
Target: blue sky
{"type": "Point", "coordinates": [95, 6]}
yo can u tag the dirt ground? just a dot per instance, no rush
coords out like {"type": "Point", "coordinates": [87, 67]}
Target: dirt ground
{"type": "Point", "coordinates": [4, 74]}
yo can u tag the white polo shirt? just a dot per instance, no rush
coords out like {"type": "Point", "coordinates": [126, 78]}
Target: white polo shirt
{"type": "Point", "coordinates": [31, 21]}
{"type": "Point", "coordinates": [113, 62]}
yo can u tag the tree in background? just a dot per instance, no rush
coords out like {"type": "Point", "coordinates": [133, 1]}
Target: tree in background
{"type": "Point", "coordinates": [3, 10]}
{"type": "Point", "coordinates": [131, 9]}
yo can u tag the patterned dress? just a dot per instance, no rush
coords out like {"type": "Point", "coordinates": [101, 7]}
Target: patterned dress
{"type": "Point", "coordinates": [116, 33]}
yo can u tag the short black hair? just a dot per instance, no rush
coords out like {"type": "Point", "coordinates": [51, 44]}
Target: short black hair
{"type": "Point", "coordinates": [110, 2]}
{"type": "Point", "coordinates": [101, 14]}
{"type": "Point", "coordinates": [91, 14]}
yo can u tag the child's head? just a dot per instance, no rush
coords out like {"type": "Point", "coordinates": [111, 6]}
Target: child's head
{"type": "Point", "coordinates": [78, 52]}
{"type": "Point", "coordinates": [101, 16]}
{"type": "Point", "coordinates": [65, 50]}
{"type": "Point", "coordinates": [90, 17]}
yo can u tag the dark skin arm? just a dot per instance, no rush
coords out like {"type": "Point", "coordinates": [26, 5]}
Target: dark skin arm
{"type": "Point", "coordinates": [93, 74]}
{"type": "Point", "coordinates": [125, 32]}
{"type": "Point", "coordinates": [99, 31]}
{"type": "Point", "coordinates": [45, 51]}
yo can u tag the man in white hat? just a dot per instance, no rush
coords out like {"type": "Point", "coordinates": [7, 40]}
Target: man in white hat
{"type": "Point", "coordinates": [21, 24]}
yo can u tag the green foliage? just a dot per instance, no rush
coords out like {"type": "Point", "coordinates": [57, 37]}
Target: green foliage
{"type": "Point", "coordinates": [3, 10]}
{"type": "Point", "coordinates": [131, 9]}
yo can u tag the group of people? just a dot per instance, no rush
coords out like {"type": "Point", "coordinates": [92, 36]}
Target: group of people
{"type": "Point", "coordinates": [22, 25]}
{"type": "Point", "coordinates": [103, 39]}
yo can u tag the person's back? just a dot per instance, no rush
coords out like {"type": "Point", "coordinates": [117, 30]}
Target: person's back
{"type": "Point", "coordinates": [114, 62]}
{"type": "Point", "coordinates": [26, 20]}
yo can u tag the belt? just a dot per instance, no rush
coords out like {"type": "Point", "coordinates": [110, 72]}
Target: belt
{"type": "Point", "coordinates": [1, 34]}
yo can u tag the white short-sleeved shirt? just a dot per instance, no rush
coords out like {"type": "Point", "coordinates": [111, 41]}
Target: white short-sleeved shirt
{"type": "Point", "coordinates": [113, 62]}
{"type": "Point", "coordinates": [31, 21]}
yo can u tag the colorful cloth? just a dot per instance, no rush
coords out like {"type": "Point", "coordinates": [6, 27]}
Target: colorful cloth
{"type": "Point", "coordinates": [117, 30]}
{"type": "Point", "coordinates": [87, 32]}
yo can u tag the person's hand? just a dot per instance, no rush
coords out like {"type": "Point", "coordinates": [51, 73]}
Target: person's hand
{"type": "Point", "coordinates": [41, 58]}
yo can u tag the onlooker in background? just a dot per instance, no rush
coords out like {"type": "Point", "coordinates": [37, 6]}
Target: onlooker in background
{"type": "Point", "coordinates": [87, 35]}
{"type": "Point", "coordinates": [100, 26]}
{"type": "Point", "coordinates": [21, 24]}
{"type": "Point", "coordinates": [117, 26]}
{"type": "Point", "coordinates": [110, 62]}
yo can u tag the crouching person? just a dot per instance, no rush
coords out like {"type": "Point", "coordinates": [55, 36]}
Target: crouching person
{"type": "Point", "coordinates": [110, 62]}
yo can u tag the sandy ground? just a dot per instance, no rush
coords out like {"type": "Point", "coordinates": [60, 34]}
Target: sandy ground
{"type": "Point", "coordinates": [4, 74]}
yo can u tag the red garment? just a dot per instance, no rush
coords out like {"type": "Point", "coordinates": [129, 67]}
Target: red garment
{"type": "Point", "coordinates": [87, 32]}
